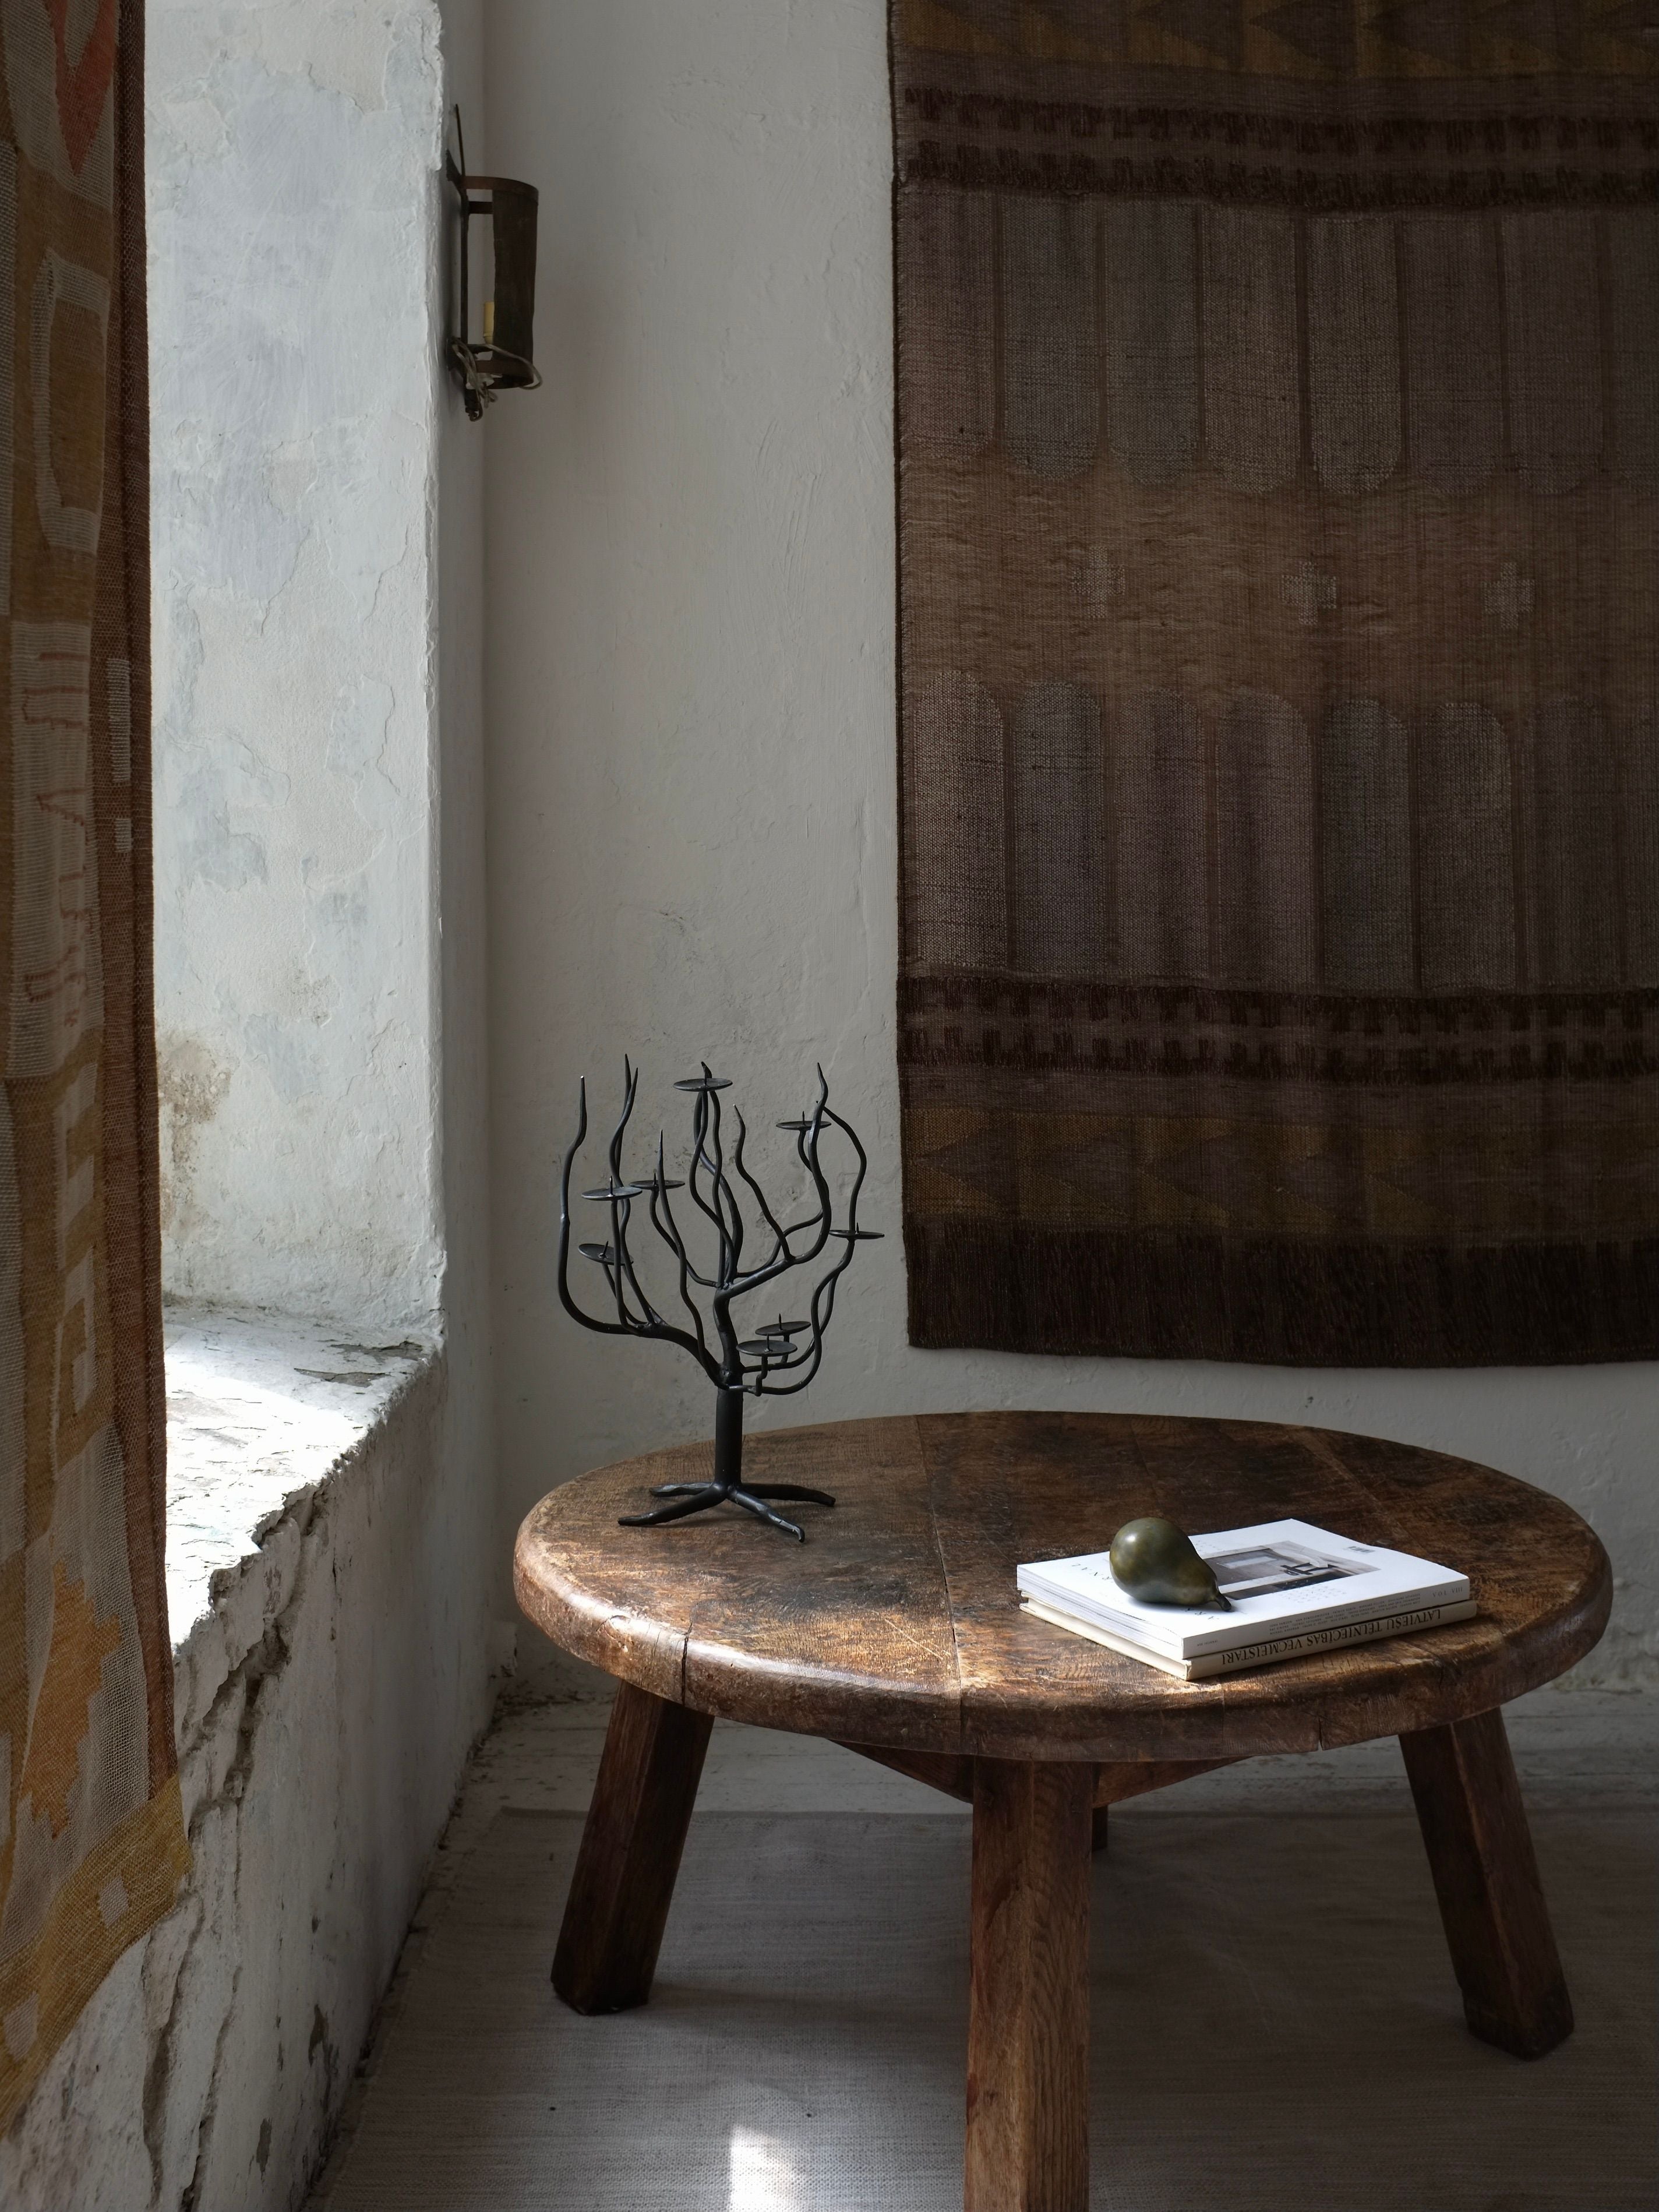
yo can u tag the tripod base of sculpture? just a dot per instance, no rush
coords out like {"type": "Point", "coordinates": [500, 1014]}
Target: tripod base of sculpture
{"type": "Point", "coordinates": [698, 1497]}
{"type": "Point", "coordinates": [728, 1488]}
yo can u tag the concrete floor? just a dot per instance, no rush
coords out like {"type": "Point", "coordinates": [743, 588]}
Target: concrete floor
{"type": "Point", "coordinates": [1572, 1747]}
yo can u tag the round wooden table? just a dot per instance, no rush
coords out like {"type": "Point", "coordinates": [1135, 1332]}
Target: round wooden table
{"type": "Point", "coordinates": [897, 1631]}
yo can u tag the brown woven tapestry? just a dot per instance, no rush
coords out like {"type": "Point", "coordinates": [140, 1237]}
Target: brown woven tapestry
{"type": "Point", "coordinates": [92, 1843]}
{"type": "Point", "coordinates": [1278, 436]}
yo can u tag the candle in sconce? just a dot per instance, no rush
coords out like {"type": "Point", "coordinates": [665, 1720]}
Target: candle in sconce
{"type": "Point", "coordinates": [482, 364]}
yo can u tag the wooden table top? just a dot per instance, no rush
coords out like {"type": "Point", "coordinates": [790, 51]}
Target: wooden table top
{"type": "Point", "coordinates": [897, 1622]}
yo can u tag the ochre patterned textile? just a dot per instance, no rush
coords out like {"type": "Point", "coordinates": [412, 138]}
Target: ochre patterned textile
{"type": "Point", "coordinates": [1278, 433]}
{"type": "Point", "coordinates": [92, 1843]}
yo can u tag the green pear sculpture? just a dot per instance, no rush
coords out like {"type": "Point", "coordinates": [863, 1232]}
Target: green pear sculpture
{"type": "Point", "coordinates": [1154, 1562]}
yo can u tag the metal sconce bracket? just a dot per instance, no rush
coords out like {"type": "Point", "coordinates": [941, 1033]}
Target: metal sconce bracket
{"type": "Point", "coordinates": [504, 360]}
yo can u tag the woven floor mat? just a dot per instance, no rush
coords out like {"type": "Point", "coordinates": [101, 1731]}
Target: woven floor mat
{"type": "Point", "coordinates": [1275, 2026]}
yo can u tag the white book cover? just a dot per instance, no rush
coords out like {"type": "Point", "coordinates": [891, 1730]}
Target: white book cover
{"type": "Point", "coordinates": [1305, 1644]}
{"type": "Point", "coordinates": [1283, 1577]}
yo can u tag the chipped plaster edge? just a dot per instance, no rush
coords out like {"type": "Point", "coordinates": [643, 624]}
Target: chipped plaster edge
{"type": "Point", "coordinates": [217, 2057]}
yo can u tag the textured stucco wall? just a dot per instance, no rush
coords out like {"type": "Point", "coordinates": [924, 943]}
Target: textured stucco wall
{"type": "Point", "coordinates": [691, 695]}
{"type": "Point", "coordinates": [462, 972]}
{"type": "Point", "coordinates": [320, 789]}
{"type": "Point", "coordinates": [326, 1698]}
{"type": "Point", "coordinates": [294, 149]}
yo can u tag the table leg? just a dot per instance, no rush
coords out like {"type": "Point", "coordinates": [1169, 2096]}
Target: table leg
{"type": "Point", "coordinates": [1028, 2022]}
{"type": "Point", "coordinates": [624, 1884]}
{"type": "Point", "coordinates": [1498, 1926]}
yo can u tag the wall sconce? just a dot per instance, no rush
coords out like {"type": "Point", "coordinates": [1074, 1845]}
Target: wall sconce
{"type": "Point", "coordinates": [497, 353]}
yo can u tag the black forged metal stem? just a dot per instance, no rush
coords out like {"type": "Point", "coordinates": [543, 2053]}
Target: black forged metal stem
{"type": "Point", "coordinates": [713, 1182]}
{"type": "Point", "coordinates": [728, 1440]}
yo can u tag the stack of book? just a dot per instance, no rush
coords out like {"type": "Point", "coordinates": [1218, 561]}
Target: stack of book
{"type": "Point", "coordinates": [1294, 1591]}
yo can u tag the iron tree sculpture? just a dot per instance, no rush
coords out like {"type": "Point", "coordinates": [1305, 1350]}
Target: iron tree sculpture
{"type": "Point", "coordinates": [782, 1357]}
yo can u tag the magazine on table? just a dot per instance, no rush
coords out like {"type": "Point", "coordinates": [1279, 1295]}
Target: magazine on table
{"type": "Point", "coordinates": [1293, 1591]}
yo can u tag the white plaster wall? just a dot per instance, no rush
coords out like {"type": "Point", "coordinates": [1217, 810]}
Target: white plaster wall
{"type": "Point", "coordinates": [294, 149]}
{"type": "Point", "coordinates": [691, 696]}
{"type": "Point", "coordinates": [327, 1693]}
{"type": "Point", "coordinates": [462, 968]}
{"type": "Point", "coordinates": [318, 492]}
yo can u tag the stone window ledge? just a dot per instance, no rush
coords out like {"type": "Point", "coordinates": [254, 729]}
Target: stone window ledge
{"type": "Point", "coordinates": [321, 1712]}
{"type": "Point", "coordinates": [263, 1412]}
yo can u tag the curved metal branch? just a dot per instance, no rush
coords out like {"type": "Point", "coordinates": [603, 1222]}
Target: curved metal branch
{"type": "Point", "coordinates": [676, 1244]}
{"type": "Point", "coordinates": [701, 1158]}
{"type": "Point", "coordinates": [627, 1324]}
{"type": "Point", "coordinates": [781, 1240]}
{"type": "Point", "coordinates": [671, 1237]}
{"type": "Point", "coordinates": [620, 1210]}
{"type": "Point", "coordinates": [811, 1355]}
{"type": "Point", "coordinates": [730, 1219]}
{"type": "Point", "coordinates": [630, 1085]}
{"type": "Point", "coordinates": [603, 1328]}
{"type": "Point", "coordinates": [825, 1217]}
